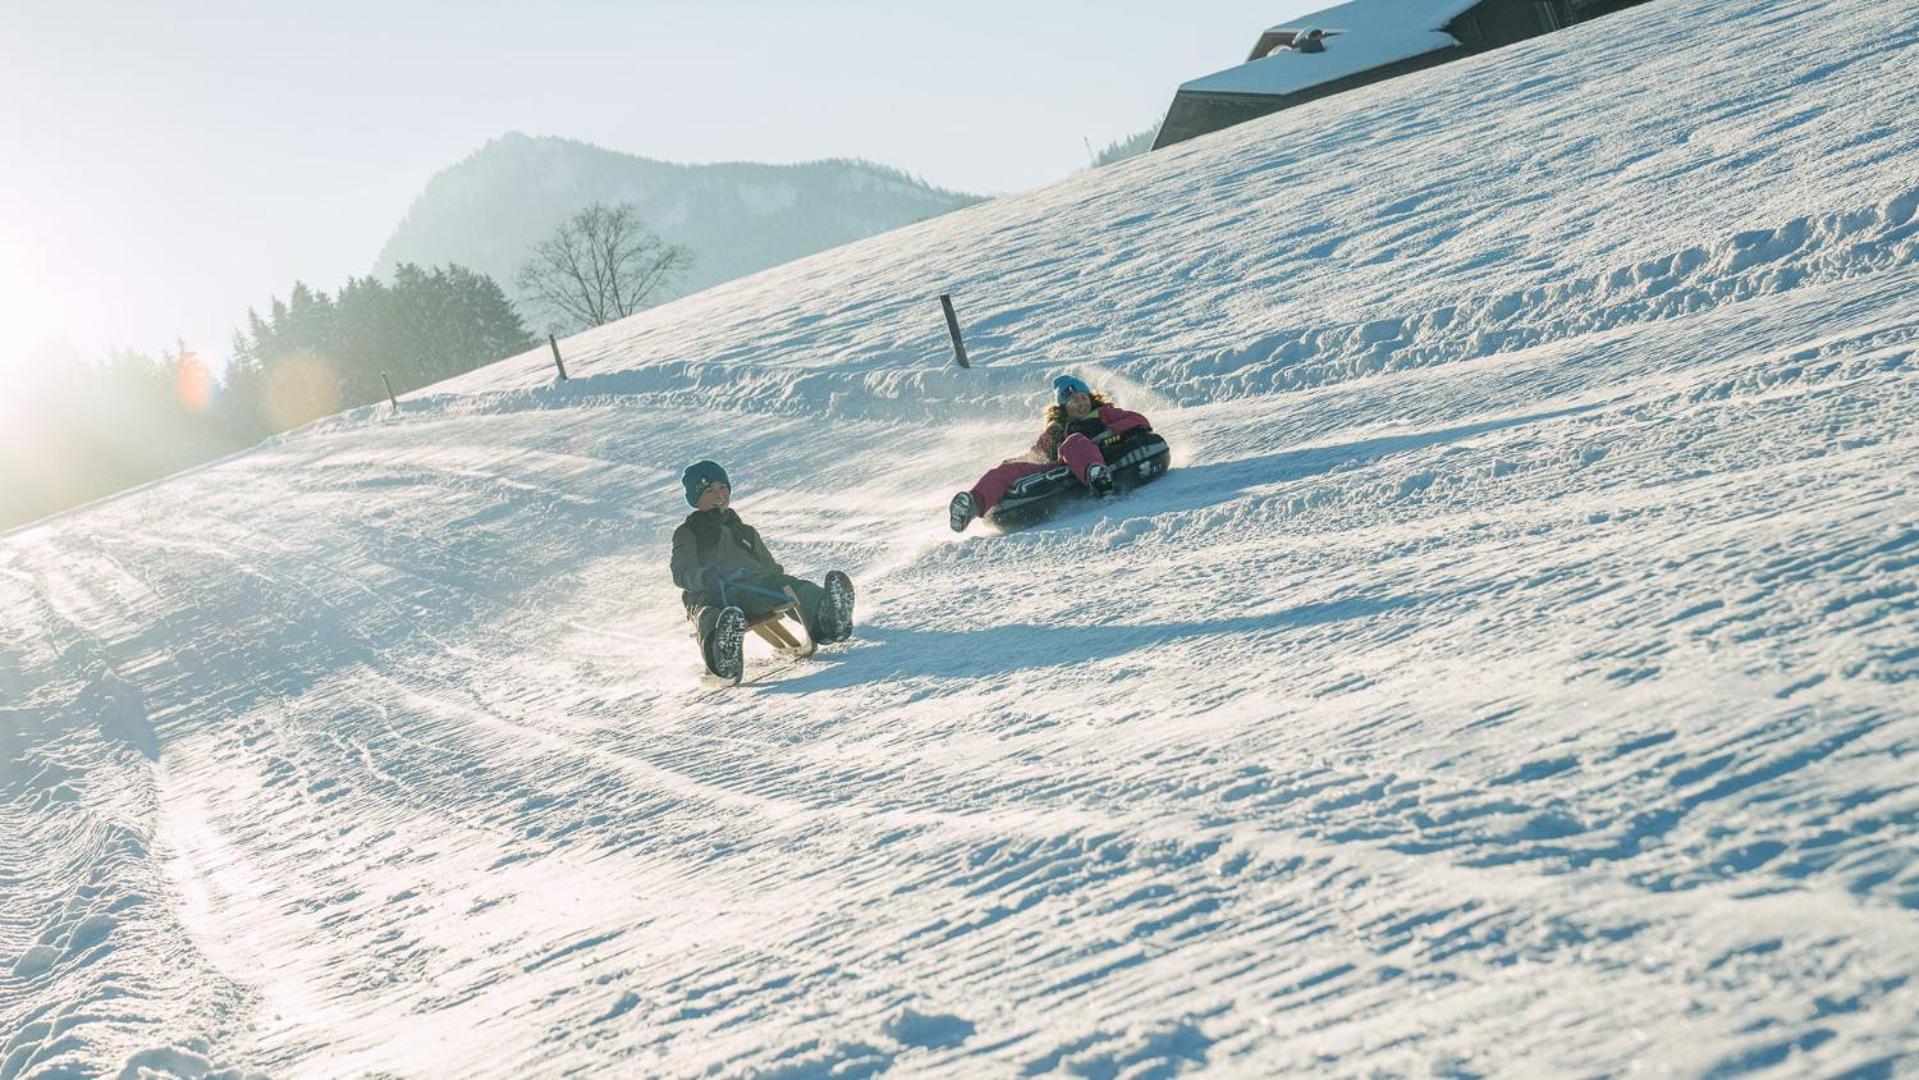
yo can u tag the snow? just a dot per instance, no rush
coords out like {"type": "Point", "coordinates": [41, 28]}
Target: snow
{"type": "Point", "coordinates": [1514, 676]}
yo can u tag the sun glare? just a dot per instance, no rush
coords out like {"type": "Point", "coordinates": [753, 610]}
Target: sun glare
{"type": "Point", "coordinates": [193, 382]}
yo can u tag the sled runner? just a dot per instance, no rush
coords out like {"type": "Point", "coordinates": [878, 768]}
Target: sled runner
{"type": "Point", "coordinates": [773, 630]}
{"type": "Point", "coordinates": [1139, 457]}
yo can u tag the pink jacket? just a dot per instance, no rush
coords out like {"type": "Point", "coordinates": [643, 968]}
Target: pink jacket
{"type": "Point", "coordinates": [1115, 420]}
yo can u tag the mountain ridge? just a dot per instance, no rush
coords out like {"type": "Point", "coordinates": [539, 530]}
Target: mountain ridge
{"type": "Point", "coordinates": [486, 211]}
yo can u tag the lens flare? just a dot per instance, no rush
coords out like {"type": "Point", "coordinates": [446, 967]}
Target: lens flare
{"type": "Point", "coordinates": [192, 382]}
{"type": "Point", "coordinates": [300, 387]}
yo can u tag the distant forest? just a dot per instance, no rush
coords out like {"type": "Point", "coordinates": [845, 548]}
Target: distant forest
{"type": "Point", "coordinates": [96, 427]}
{"type": "Point", "coordinates": [1130, 146]}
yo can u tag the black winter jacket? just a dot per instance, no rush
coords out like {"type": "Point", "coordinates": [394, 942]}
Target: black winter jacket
{"type": "Point", "coordinates": [717, 540]}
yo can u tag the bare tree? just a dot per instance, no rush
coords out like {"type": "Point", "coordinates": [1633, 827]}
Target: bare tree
{"type": "Point", "coordinates": [601, 264]}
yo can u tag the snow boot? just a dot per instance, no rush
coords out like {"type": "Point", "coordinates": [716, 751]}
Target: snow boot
{"type": "Point", "coordinates": [724, 655]}
{"type": "Point", "coordinates": [836, 610]}
{"type": "Point", "coordinates": [961, 511]}
{"type": "Point", "coordinates": [1100, 479]}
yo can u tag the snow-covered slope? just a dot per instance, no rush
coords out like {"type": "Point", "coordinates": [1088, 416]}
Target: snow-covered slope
{"type": "Point", "coordinates": [1515, 677]}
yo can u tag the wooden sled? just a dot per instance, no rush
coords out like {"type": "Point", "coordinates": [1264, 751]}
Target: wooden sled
{"type": "Point", "coordinates": [773, 630]}
{"type": "Point", "coordinates": [789, 642]}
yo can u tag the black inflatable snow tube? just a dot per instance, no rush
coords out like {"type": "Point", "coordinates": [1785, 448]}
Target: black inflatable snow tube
{"type": "Point", "coordinates": [1138, 458]}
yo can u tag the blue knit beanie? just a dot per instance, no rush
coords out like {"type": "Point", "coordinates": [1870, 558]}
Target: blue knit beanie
{"type": "Point", "coordinates": [1066, 386]}
{"type": "Point", "coordinates": [698, 475]}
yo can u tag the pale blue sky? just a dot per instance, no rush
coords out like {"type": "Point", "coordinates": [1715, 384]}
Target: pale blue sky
{"type": "Point", "coordinates": [163, 166]}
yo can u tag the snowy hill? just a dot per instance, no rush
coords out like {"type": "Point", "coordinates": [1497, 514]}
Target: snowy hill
{"type": "Point", "coordinates": [1514, 677]}
{"type": "Point", "coordinates": [487, 211]}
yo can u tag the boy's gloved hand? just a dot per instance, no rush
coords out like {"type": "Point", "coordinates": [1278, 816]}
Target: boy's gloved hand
{"type": "Point", "coordinates": [711, 581]}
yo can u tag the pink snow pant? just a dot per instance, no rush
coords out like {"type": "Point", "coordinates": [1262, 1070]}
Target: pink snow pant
{"type": "Point", "coordinates": [1078, 452]}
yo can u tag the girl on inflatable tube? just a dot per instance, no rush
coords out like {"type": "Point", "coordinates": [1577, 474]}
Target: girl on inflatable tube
{"type": "Point", "coordinates": [1077, 416]}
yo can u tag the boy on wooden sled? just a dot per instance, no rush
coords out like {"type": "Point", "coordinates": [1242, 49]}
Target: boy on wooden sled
{"type": "Point", "coordinates": [730, 582]}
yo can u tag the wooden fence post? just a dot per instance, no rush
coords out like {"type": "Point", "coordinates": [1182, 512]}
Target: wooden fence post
{"type": "Point", "coordinates": [389, 391]}
{"type": "Point", "coordinates": [557, 362]}
{"type": "Point", "coordinates": [952, 328]}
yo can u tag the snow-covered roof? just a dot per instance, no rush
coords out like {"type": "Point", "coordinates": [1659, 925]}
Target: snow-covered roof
{"type": "Point", "coordinates": [1394, 15]}
{"type": "Point", "coordinates": [1347, 52]}
{"type": "Point", "coordinates": [1359, 36]}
